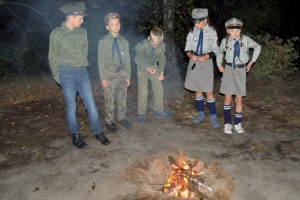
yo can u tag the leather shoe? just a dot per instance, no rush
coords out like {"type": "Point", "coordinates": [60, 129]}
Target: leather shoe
{"type": "Point", "coordinates": [125, 123]}
{"type": "Point", "coordinates": [102, 138]}
{"type": "Point", "coordinates": [111, 127]}
{"type": "Point", "coordinates": [78, 141]}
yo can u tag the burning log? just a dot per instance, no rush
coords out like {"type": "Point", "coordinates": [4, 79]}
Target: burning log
{"type": "Point", "coordinates": [184, 181]}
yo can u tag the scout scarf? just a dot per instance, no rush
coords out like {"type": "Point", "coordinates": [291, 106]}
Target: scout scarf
{"type": "Point", "coordinates": [115, 46]}
{"type": "Point", "coordinates": [200, 44]}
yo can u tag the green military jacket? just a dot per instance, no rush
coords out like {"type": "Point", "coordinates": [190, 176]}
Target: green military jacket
{"type": "Point", "coordinates": [68, 48]}
{"type": "Point", "coordinates": [105, 53]}
{"type": "Point", "coordinates": [143, 59]}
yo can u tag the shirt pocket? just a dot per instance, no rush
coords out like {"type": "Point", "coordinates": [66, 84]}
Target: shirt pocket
{"type": "Point", "coordinates": [65, 48]}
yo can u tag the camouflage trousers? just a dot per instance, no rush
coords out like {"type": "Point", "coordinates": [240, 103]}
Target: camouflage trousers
{"type": "Point", "coordinates": [157, 88]}
{"type": "Point", "coordinates": [116, 91]}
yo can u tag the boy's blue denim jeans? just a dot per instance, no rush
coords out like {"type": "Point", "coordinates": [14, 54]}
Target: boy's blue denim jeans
{"type": "Point", "coordinates": [73, 80]}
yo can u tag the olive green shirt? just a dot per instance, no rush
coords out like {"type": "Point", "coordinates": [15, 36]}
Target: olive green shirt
{"type": "Point", "coordinates": [66, 47]}
{"type": "Point", "coordinates": [105, 54]}
{"type": "Point", "coordinates": [145, 59]}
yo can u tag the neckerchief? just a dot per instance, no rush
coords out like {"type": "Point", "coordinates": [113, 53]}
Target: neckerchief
{"type": "Point", "coordinates": [200, 44]}
{"type": "Point", "coordinates": [115, 46]}
{"type": "Point", "coordinates": [236, 52]}
{"type": "Point", "coordinates": [151, 53]}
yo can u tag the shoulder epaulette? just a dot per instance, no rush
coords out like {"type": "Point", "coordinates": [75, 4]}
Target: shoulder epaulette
{"type": "Point", "coordinates": [213, 28]}
{"type": "Point", "coordinates": [101, 38]}
{"type": "Point", "coordinates": [143, 41]}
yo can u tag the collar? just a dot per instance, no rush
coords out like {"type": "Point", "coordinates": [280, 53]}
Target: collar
{"type": "Point", "coordinates": [110, 35]}
{"type": "Point", "coordinates": [231, 38]}
{"type": "Point", "coordinates": [205, 28]}
{"type": "Point", "coordinates": [66, 29]}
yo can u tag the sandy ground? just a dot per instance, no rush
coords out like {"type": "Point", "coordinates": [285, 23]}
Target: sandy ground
{"type": "Point", "coordinates": [264, 164]}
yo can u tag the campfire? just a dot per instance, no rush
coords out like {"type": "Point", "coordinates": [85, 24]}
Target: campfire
{"type": "Point", "coordinates": [186, 179]}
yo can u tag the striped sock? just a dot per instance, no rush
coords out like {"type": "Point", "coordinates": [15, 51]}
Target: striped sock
{"type": "Point", "coordinates": [227, 113]}
{"type": "Point", "coordinates": [238, 118]}
{"type": "Point", "coordinates": [199, 103]}
{"type": "Point", "coordinates": [211, 103]}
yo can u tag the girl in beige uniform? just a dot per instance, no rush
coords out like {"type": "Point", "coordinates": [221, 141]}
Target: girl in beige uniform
{"type": "Point", "coordinates": [236, 46]}
{"type": "Point", "coordinates": [201, 46]}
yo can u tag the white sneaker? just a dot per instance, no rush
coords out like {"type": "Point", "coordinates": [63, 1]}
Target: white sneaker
{"type": "Point", "coordinates": [228, 128]}
{"type": "Point", "coordinates": [238, 128]}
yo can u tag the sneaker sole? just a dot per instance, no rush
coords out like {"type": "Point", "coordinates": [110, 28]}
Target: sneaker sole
{"type": "Point", "coordinates": [80, 146]}
{"type": "Point", "coordinates": [240, 132]}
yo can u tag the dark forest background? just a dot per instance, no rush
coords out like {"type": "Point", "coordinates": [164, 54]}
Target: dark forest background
{"type": "Point", "coordinates": [26, 25]}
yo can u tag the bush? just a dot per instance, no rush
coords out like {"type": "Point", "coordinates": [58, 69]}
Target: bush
{"type": "Point", "coordinates": [277, 60]}
{"type": "Point", "coordinates": [21, 58]}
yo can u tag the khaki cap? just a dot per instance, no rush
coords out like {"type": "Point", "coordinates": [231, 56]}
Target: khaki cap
{"type": "Point", "coordinates": [234, 23]}
{"type": "Point", "coordinates": [74, 8]}
{"type": "Point", "coordinates": [199, 13]}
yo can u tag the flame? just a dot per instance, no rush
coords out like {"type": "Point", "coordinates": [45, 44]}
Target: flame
{"type": "Point", "coordinates": [178, 183]}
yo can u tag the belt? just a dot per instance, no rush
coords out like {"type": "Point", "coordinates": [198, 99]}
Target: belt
{"type": "Point", "coordinates": [238, 66]}
{"type": "Point", "coordinates": [194, 53]}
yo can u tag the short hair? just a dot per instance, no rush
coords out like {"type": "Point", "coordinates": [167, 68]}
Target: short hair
{"type": "Point", "coordinates": [156, 35]}
{"type": "Point", "coordinates": [110, 16]}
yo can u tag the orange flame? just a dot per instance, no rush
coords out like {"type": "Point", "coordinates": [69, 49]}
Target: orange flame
{"type": "Point", "coordinates": [177, 184]}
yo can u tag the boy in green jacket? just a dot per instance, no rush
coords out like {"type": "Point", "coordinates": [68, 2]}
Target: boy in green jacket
{"type": "Point", "coordinates": [68, 50]}
{"type": "Point", "coordinates": [151, 61]}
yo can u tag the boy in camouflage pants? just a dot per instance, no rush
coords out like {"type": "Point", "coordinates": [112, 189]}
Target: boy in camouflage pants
{"type": "Point", "coordinates": [115, 71]}
{"type": "Point", "coordinates": [151, 61]}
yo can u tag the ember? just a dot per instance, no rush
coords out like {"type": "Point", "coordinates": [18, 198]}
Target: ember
{"type": "Point", "coordinates": [185, 179]}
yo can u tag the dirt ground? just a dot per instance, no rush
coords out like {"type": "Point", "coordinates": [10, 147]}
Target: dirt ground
{"type": "Point", "coordinates": [39, 162]}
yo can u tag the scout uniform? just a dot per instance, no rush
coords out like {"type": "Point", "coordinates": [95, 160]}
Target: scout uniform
{"type": "Point", "coordinates": [200, 75]}
{"type": "Point", "coordinates": [233, 81]}
{"type": "Point", "coordinates": [68, 50]}
{"type": "Point", "coordinates": [114, 66]}
{"type": "Point", "coordinates": [234, 76]}
{"type": "Point", "coordinates": [148, 56]}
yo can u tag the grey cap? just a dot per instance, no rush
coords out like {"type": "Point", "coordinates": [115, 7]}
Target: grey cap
{"type": "Point", "coordinates": [199, 13]}
{"type": "Point", "coordinates": [74, 8]}
{"type": "Point", "coordinates": [234, 23]}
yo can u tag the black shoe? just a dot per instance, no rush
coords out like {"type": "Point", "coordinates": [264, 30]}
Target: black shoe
{"type": "Point", "coordinates": [78, 141]}
{"type": "Point", "coordinates": [125, 123]}
{"type": "Point", "coordinates": [102, 138]}
{"type": "Point", "coordinates": [111, 127]}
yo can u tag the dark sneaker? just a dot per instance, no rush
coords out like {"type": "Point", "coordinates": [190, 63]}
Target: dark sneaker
{"type": "Point", "coordinates": [102, 138]}
{"type": "Point", "coordinates": [78, 141]}
{"type": "Point", "coordinates": [125, 123]}
{"type": "Point", "coordinates": [111, 127]}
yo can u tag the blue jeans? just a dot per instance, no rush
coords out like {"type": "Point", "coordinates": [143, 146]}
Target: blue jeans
{"type": "Point", "coordinates": [73, 80]}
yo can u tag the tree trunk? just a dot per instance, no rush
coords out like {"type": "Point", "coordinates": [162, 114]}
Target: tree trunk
{"type": "Point", "coordinates": [171, 72]}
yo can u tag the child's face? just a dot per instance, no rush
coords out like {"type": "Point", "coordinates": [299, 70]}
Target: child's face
{"type": "Point", "coordinates": [234, 33]}
{"type": "Point", "coordinates": [201, 24]}
{"type": "Point", "coordinates": [76, 20]}
{"type": "Point", "coordinates": [113, 25]}
{"type": "Point", "coordinates": [154, 44]}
